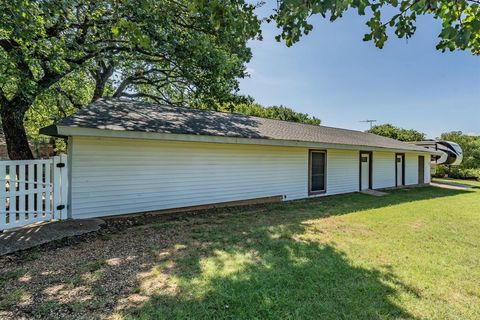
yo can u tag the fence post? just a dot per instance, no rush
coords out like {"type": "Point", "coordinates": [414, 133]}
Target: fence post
{"type": "Point", "coordinates": [56, 178]}
{"type": "Point", "coordinates": [60, 186]}
{"type": "Point", "coordinates": [64, 185]}
{"type": "Point", "coordinates": [3, 196]}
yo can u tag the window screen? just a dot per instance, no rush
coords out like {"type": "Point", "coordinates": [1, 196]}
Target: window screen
{"type": "Point", "coordinates": [317, 171]}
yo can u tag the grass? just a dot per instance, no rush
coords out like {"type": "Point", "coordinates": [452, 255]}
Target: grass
{"type": "Point", "coordinates": [91, 266]}
{"type": "Point", "coordinates": [11, 275]}
{"type": "Point", "coordinates": [413, 254]}
{"type": "Point", "coordinates": [11, 299]}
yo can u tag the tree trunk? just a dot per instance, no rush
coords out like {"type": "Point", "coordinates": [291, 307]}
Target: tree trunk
{"type": "Point", "coordinates": [14, 131]}
{"type": "Point", "coordinates": [101, 77]}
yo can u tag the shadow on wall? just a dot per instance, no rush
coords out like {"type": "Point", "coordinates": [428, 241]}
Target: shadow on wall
{"type": "Point", "coordinates": [236, 263]}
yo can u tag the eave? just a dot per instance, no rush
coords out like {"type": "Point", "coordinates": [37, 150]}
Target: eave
{"type": "Point", "coordinates": [69, 131]}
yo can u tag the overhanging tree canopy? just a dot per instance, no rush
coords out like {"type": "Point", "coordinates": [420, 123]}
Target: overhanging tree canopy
{"type": "Point", "coordinates": [460, 19]}
{"type": "Point", "coordinates": [62, 54]}
{"type": "Point", "coordinates": [163, 50]}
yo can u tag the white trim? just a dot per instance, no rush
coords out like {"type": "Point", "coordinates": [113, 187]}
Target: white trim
{"type": "Point", "coordinates": [92, 132]}
{"type": "Point", "coordinates": [69, 175]}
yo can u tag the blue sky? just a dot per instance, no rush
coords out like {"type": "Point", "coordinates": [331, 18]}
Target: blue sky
{"type": "Point", "coordinates": [335, 76]}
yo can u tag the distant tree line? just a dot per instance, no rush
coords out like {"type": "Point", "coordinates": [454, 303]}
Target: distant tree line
{"type": "Point", "coordinates": [390, 131]}
{"type": "Point", "coordinates": [247, 106]}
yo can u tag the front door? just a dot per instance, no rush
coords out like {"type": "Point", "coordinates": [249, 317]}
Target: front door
{"type": "Point", "coordinates": [365, 159]}
{"type": "Point", "coordinates": [421, 169]}
{"type": "Point", "coordinates": [399, 169]}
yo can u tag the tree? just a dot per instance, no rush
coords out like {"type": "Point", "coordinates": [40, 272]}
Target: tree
{"type": "Point", "coordinates": [249, 107]}
{"type": "Point", "coordinates": [53, 51]}
{"type": "Point", "coordinates": [460, 19]}
{"type": "Point", "coordinates": [390, 131]}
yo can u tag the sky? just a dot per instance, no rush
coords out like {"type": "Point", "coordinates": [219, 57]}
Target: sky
{"type": "Point", "coordinates": [334, 75]}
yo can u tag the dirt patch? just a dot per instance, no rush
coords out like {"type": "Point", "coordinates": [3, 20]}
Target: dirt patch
{"type": "Point", "coordinates": [99, 273]}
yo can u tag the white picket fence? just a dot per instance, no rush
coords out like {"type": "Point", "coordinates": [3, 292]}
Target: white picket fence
{"type": "Point", "coordinates": [32, 191]}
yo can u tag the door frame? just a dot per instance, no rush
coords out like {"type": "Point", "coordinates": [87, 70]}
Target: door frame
{"type": "Point", "coordinates": [403, 169]}
{"type": "Point", "coordinates": [310, 192]}
{"type": "Point", "coordinates": [370, 169]}
{"type": "Point", "coordinates": [423, 169]}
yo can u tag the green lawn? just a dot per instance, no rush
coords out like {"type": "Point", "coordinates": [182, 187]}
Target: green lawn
{"type": "Point", "coordinates": [413, 254]}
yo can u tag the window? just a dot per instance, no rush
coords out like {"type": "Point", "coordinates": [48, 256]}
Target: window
{"type": "Point", "coordinates": [317, 171]}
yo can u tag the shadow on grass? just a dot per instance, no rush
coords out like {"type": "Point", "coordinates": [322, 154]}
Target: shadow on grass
{"type": "Point", "coordinates": [284, 279]}
{"type": "Point", "coordinates": [237, 263]}
{"type": "Point", "coordinates": [259, 269]}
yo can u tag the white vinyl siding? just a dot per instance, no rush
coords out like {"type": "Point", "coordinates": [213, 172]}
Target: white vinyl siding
{"type": "Point", "coordinates": [118, 176]}
{"type": "Point", "coordinates": [111, 176]}
{"type": "Point", "coordinates": [383, 170]}
{"type": "Point", "coordinates": [342, 171]}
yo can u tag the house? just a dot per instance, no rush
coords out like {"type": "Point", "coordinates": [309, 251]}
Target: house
{"type": "Point", "coordinates": [127, 157]}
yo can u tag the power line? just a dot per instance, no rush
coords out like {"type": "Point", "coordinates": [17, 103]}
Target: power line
{"type": "Point", "coordinates": [369, 121]}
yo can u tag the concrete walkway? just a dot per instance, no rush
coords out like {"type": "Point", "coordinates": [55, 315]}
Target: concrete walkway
{"type": "Point", "coordinates": [450, 185]}
{"type": "Point", "coordinates": [374, 193]}
{"type": "Point", "coordinates": [36, 234]}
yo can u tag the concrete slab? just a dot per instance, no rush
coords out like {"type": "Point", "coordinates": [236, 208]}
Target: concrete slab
{"type": "Point", "coordinates": [36, 234]}
{"type": "Point", "coordinates": [374, 193]}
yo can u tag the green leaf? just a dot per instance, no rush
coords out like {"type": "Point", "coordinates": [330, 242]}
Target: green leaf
{"type": "Point", "coordinates": [115, 30]}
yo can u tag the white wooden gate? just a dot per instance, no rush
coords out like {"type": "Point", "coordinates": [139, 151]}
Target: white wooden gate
{"type": "Point", "coordinates": [32, 191]}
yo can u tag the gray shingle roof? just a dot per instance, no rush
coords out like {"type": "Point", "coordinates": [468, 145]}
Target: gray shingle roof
{"type": "Point", "coordinates": [127, 115]}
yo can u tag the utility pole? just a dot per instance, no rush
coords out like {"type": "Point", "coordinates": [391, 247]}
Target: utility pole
{"type": "Point", "coordinates": [369, 121]}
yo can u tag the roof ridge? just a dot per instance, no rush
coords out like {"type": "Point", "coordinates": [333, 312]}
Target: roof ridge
{"type": "Point", "coordinates": [120, 114]}
{"type": "Point", "coordinates": [243, 115]}
{"type": "Point", "coordinates": [258, 117]}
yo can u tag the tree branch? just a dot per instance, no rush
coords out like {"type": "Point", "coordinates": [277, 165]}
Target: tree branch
{"type": "Point", "coordinates": [121, 88]}
{"type": "Point", "coordinates": [3, 99]}
{"type": "Point", "coordinates": [70, 98]}
{"type": "Point", "coordinates": [101, 77]}
{"type": "Point", "coordinates": [8, 45]}
{"type": "Point", "coordinates": [143, 95]}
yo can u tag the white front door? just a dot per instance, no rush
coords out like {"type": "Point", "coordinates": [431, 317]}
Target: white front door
{"type": "Point", "coordinates": [399, 170]}
{"type": "Point", "coordinates": [365, 174]}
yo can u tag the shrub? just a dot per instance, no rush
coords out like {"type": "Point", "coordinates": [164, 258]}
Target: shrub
{"type": "Point", "coordinates": [457, 173]}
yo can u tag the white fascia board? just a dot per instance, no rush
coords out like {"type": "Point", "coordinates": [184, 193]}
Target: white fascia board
{"type": "Point", "coordinates": [92, 132]}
